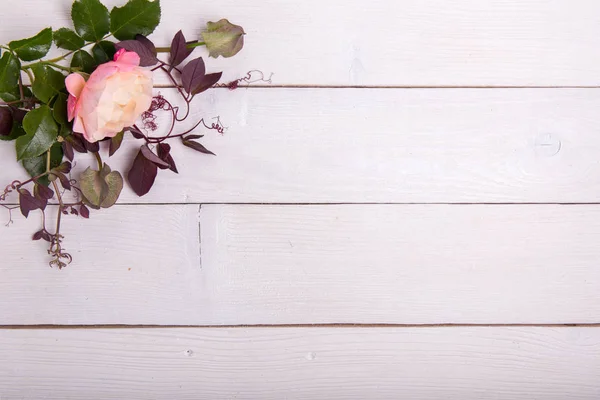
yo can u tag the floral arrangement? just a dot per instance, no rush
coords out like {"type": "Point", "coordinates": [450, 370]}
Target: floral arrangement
{"type": "Point", "coordinates": [100, 90]}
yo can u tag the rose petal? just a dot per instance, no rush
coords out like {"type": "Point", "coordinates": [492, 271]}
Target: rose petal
{"type": "Point", "coordinates": [118, 54]}
{"type": "Point", "coordinates": [127, 57]}
{"type": "Point", "coordinates": [71, 105]}
{"type": "Point", "coordinates": [75, 84]}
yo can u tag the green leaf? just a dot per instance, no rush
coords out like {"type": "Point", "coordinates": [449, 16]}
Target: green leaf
{"type": "Point", "coordinates": [37, 165]}
{"type": "Point", "coordinates": [114, 180]}
{"type": "Point", "coordinates": [48, 82]}
{"type": "Point", "coordinates": [65, 38]}
{"type": "Point", "coordinates": [59, 111]}
{"type": "Point", "coordinates": [91, 19]}
{"type": "Point", "coordinates": [41, 133]}
{"type": "Point", "coordinates": [104, 52]}
{"type": "Point", "coordinates": [93, 187]}
{"type": "Point", "coordinates": [136, 17]}
{"type": "Point", "coordinates": [10, 68]}
{"type": "Point", "coordinates": [33, 48]}
{"type": "Point", "coordinates": [84, 61]}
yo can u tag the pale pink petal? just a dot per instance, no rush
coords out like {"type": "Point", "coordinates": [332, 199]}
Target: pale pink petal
{"type": "Point", "coordinates": [78, 126]}
{"type": "Point", "coordinates": [71, 105]}
{"type": "Point", "coordinates": [118, 54]}
{"type": "Point", "coordinates": [127, 57]}
{"type": "Point", "coordinates": [75, 84]}
{"type": "Point", "coordinates": [101, 73]}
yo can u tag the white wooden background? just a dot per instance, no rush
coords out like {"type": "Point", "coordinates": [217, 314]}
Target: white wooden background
{"type": "Point", "coordinates": [410, 211]}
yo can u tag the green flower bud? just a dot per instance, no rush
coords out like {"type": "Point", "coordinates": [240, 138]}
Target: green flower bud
{"type": "Point", "coordinates": [222, 38]}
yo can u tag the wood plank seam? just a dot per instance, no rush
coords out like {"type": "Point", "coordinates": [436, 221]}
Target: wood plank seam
{"type": "Point", "coordinates": [336, 325]}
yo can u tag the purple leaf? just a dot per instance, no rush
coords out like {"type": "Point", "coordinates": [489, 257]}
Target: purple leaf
{"type": "Point", "coordinates": [197, 146]}
{"type": "Point", "coordinates": [74, 211]}
{"type": "Point", "coordinates": [142, 174]}
{"type": "Point", "coordinates": [43, 191]}
{"type": "Point", "coordinates": [68, 150]}
{"type": "Point", "coordinates": [91, 147]}
{"type": "Point", "coordinates": [150, 156]}
{"type": "Point", "coordinates": [179, 50]}
{"type": "Point", "coordinates": [206, 83]}
{"type": "Point", "coordinates": [84, 211]}
{"type": "Point", "coordinates": [64, 181]}
{"type": "Point", "coordinates": [193, 73]}
{"type": "Point", "coordinates": [77, 141]}
{"type": "Point", "coordinates": [38, 235]}
{"type": "Point", "coordinates": [147, 57]}
{"type": "Point", "coordinates": [146, 42]}
{"type": "Point", "coordinates": [192, 137]}
{"type": "Point", "coordinates": [65, 168]}
{"type": "Point", "coordinates": [164, 152]}
{"type": "Point", "coordinates": [46, 236]}
{"type": "Point", "coordinates": [27, 202]}
{"type": "Point", "coordinates": [135, 132]}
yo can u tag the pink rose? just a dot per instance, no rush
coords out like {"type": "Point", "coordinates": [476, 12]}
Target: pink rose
{"type": "Point", "coordinates": [113, 98]}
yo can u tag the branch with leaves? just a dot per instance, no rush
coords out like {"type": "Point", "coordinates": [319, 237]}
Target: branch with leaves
{"type": "Point", "coordinates": [100, 90]}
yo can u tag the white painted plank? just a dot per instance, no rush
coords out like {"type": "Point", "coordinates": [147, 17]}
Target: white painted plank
{"type": "Point", "coordinates": [131, 264]}
{"type": "Point", "coordinates": [381, 42]}
{"type": "Point", "coordinates": [331, 363]}
{"type": "Point", "coordinates": [378, 145]}
{"type": "Point", "coordinates": [405, 264]}
{"type": "Point", "coordinates": [402, 264]}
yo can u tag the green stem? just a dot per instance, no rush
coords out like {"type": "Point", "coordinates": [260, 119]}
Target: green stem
{"type": "Point", "coordinates": [60, 58]}
{"type": "Point", "coordinates": [197, 44]}
{"type": "Point", "coordinates": [48, 155]}
{"type": "Point", "coordinates": [99, 160]}
{"type": "Point", "coordinates": [190, 45]}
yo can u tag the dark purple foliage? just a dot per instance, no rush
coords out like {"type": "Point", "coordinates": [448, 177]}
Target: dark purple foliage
{"type": "Point", "coordinates": [142, 174]}
{"type": "Point", "coordinates": [179, 50]}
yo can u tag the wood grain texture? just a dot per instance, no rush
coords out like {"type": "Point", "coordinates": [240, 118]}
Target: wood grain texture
{"type": "Point", "coordinates": [333, 363]}
{"type": "Point", "coordinates": [381, 145]}
{"type": "Point", "coordinates": [381, 42]}
{"type": "Point", "coordinates": [131, 264]}
{"type": "Point", "coordinates": [247, 265]}
{"type": "Point", "coordinates": [402, 264]}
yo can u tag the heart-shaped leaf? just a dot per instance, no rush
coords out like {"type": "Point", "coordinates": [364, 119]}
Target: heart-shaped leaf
{"type": "Point", "coordinates": [206, 83]}
{"type": "Point", "coordinates": [101, 188]}
{"type": "Point", "coordinates": [91, 19]}
{"type": "Point", "coordinates": [179, 49]}
{"type": "Point", "coordinates": [28, 203]}
{"type": "Point", "coordinates": [93, 186]}
{"type": "Point", "coordinates": [33, 48]}
{"type": "Point", "coordinates": [142, 174]}
{"type": "Point", "coordinates": [193, 73]}
{"type": "Point", "coordinates": [114, 181]}
{"type": "Point", "coordinates": [136, 17]}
